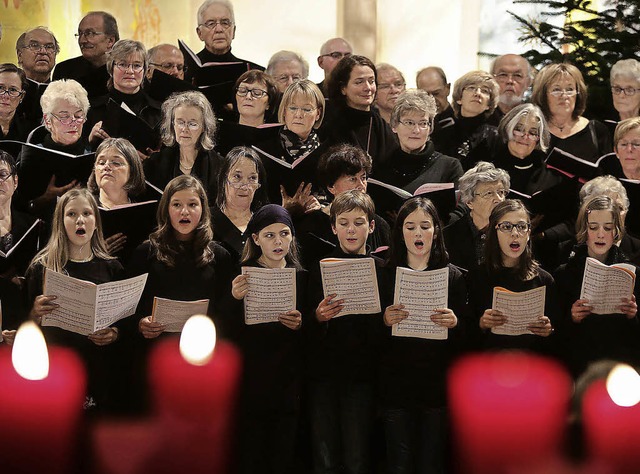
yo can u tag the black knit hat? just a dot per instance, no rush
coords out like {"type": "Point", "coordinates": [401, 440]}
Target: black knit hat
{"type": "Point", "coordinates": [267, 215]}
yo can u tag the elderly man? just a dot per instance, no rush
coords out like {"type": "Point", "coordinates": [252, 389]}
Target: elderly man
{"type": "Point", "coordinates": [97, 33]}
{"type": "Point", "coordinates": [391, 84]}
{"type": "Point", "coordinates": [433, 80]}
{"type": "Point", "coordinates": [514, 75]}
{"type": "Point", "coordinates": [168, 59]}
{"type": "Point", "coordinates": [287, 67]}
{"type": "Point", "coordinates": [331, 52]}
{"type": "Point", "coordinates": [217, 29]}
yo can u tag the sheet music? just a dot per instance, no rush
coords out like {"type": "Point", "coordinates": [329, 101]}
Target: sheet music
{"type": "Point", "coordinates": [421, 292]}
{"type": "Point", "coordinates": [174, 314]}
{"type": "Point", "coordinates": [521, 309]}
{"type": "Point", "coordinates": [82, 310]}
{"type": "Point", "coordinates": [604, 286]}
{"type": "Point", "coordinates": [354, 281]}
{"type": "Point", "coordinates": [271, 293]}
{"type": "Point", "coordinates": [400, 192]}
{"type": "Point", "coordinates": [431, 187]}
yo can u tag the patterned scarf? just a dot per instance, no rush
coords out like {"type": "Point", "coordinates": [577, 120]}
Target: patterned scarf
{"type": "Point", "coordinates": [296, 147]}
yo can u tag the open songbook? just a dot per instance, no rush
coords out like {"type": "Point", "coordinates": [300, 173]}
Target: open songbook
{"type": "Point", "coordinates": [354, 281]}
{"type": "Point", "coordinates": [122, 122]}
{"type": "Point", "coordinates": [421, 292]}
{"type": "Point", "coordinates": [86, 307]}
{"type": "Point", "coordinates": [521, 309]}
{"type": "Point", "coordinates": [572, 165]}
{"type": "Point", "coordinates": [174, 314]}
{"type": "Point", "coordinates": [605, 286]}
{"type": "Point", "coordinates": [272, 292]}
{"type": "Point", "coordinates": [30, 237]}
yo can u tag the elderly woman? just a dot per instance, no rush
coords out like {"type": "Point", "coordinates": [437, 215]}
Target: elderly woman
{"type": "Point", "coordinates": [13, 84]}
{"type": "Point", "coordinates": [481, 189]}
{"type": "Point", "coordinates": [626, 145]}
{"type": "Point", "coordinates": [475, 97]}
{"type": "Point", "coordinates": [625, 88]}
{"type": "Point", "coordinates": [65, 105]}
{"type": "Point", "coordinates": [301, 110]}
{"type": "Point", "coordinates": [188, 130]}
{"type": "Point", "coordinates": [127, 66]}
{"type": "Point", "coordinates": [241, 192]}
{"type": "Point", "coordinates": [351, 117]}
{"type": "Point", "coordinates": [415, 161]}
{"type": "Point", "coordinates": [560, 91]}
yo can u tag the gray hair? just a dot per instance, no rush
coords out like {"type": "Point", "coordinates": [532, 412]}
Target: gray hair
{"type": "Point", "coordinates": [121, 51]}
{"type": "Point", "coordinates": [188, 99]}
{"type": "Point", "coordinates": [64, 89]}
{"type": "Point", "coordinates": [207, 3]}
{"type": "Point", "coordinates": [388, 67]}
{"type": "Point", "coordinates": [628, 68]}
{"type": "Point", "coordinates": [475, 78]}
{"type": "Point", "coordinates": [603, 185]}
{"type": "Point", "coordinates": [286, 56]}
{"type": "Point", "coordinates": [531, 72]}
{"type": "Point", "coordinates": [413, 100]}
{"type": "Point", "coordinates": [21, 42]}
{"type": "Point", "coordinates": [135, 184]}
{"type": "Point", "coordinates": [513, 117]}
{"type": "Point", "coordinates": [483, 172]}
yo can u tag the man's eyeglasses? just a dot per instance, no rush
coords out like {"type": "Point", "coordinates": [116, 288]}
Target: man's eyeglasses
{"type": "Point", "coordinates": [336, 54]}
{"type": "Point", "coordinates": [11, 91]}
{"type": "Point", "coordinates": [567, 92]}
{"type": "Point", "coordinates": [136, 67]}
{"type": "Point", "coordinates": [35, 47]}
{"type": "Point", "coordinates": [385, 86]}
{"type": "Point", "coordinates": [304, 110]}
{"type": "Point", "coordinates": [626, 90]}
{"type": "Point", "coordinates": [255, 93]}
{"type": "Point", "coordinates": [422, 124]}
{"type": "Point", "coordinates": [89, 34]}
{"type": "Point", "coordinates": [169, 66]}
{"type": "Point", "coordinates": [500, 193]}
{"type": "Point", "coordinates": [505, 76]}
{"type": "Point", "coordinates": [211, 24]}
{"type": "Point", "coordinates": [508, 227]}
{"type": "Point", "coordinates": [68, 119]}
{"type": "Point", "coordinates": [284, 78]}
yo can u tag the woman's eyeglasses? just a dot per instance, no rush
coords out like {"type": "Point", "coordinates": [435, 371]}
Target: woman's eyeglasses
{"type": "Point", "coordinates": [69, 119]}
{"type": "Point", "coordinates": [255, 93]}
{"type": "Point", "coordinates": [508, 227]}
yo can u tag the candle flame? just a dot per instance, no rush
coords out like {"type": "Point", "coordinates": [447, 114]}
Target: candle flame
{"type": "Point", "coordinates": [198, 340]}
{"type": "Point", "coordinates": [623, 385]}
{"type": "Point", "coordinates": [29, 355]}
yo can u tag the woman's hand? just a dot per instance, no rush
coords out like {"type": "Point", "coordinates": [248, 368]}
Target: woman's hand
{"type": "Point", "coordinates": [97, 134]}
{"type": "Point", "coordinates": [104, 336]}
{"type": "Point", "coordinates": [9, 336]}
{"type": "Point", "coordinates": [150, 329]}
{"type": "Point", "coordinates": [42, 306]}
{"type": "Point", "coordinates": [302, 202]}
{"type": "Point", "coordinates": [542, 327]}
{"type": "Point", "coordinates": [492, 318]}
{"type": "Point", "coordinates": [53, 191]}
{"type": "Point", "coordinates": [240, 286]}
{"type": "Point", "coordinates": [291, 319]}
{"type": "Point", "coordinates": [115, 243]}
{"type": "Point", "coordinates": [580, 310]}
{"type": "Point", "coordinates": [629, 307]}
{"type": "Point", "coordinates": [394, 314]}
{"type": "Point", "coordinates": [327, 308]}
{"type": "Point", "coordinates": [444, 317]}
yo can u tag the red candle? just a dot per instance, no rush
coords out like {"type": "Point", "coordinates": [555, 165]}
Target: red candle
{"type": "Point", "coordinates": [41, 418]}
{"type": "Point", "coordinates": [508, 410]}
{"type": "Point", "coordinates": [611, 431]}
{"type": "Point", "coordinates": [196, 407]}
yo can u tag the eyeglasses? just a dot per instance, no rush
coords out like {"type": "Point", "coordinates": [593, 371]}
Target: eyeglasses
{"type": "Point", "coordinates": [135, 67]}
{"type": "Point", "coordinates": [398, 85]}
{"type": "Point", "coordinates": [5, 176]}
{"type": "Point", "coordinates": [531, 134]}
{"type": "Point", "coordinates": [627, 90]}
{"type": "Point", "coordinates": [422, 124]}
{"type": "Point", "coordinates": [35, 47]}
{"type": "Point", "coordinates": [68, 119]}
{"type": "Point", "coordinates": [115, 164]}
{"type": "Point", "coordinates": [11, 92]}
{"type": "Point", "coordinates": [505, 76]}
{"type": "Point", "coordinates": [89, 34]}
{"type": "Point", "coordinates": [500, 193]}
{"type": "Point", "coordinates": [634, 145]}
{"type": "Point", "coordinates": [182, 124]}
{"type": "Point", "coordinates": [567, 92]}
{"type": "Point", "coordinates": [169, 66]}
{"type": "Point", "coordinates": [285, 78]}
{"type": "Point", "coordinates": [304, 110]}
{"type": "Point", "coordinates": [255, 93]}
{"type": "Point", "coordinates": [211, 24]}
{"type": "Point", "coordinates": [236, 182]}
{"type": "Point", "coordinates": [336, 54]}
{"type": "Point", "coordinates": [508, 227]}
{"type": "Point", "coordinates": [482, 89]}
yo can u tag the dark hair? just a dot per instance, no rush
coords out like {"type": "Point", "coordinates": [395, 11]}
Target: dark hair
{"type": "Point", "coordinates": [110, 24]}
{"type": "Point", "coordinates": [163, 240]}
{"type": "Point", "coordinates": [341, 160]}
{"type": "Point", "coordinates": [260, 197]}
{"type": "Point", "coordinates": [135, 184]}
{"type": "Point", "coordinates": [339, 77]}
{"type": "Point", "coordinates": [10, 162]}
{"type": "Point", "coordinates": [10, 67]}
{"type": "Point", "coordinates": [350, 200]}
{"type": "Point", "coordinates": [255, 75]}
{"type": "Point", "coordinates": [527, 267]}
{"type": "Point", "coordinates": [398, 249]}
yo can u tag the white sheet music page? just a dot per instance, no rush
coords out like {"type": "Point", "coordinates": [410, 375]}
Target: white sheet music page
{"type": "Point", "coordinates": [354, 281]}
{"type": "Point", "coordinates": [605, 286]}
{"type": "Point", "coordinates": [521, 308]}
{"type": "Point", "coordinates": [272, 292]}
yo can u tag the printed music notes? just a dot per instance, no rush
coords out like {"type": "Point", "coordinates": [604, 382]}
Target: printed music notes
{"type": "Point", "coordinates": [354, 281]}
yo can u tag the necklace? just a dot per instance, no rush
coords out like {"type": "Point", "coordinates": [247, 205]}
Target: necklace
{"type": "Point", "coordinates": [568, 124]}
{"type": "Point", "coordinates": [82, 260]}
{"type": "Point", "coordinates": [186, 169]}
